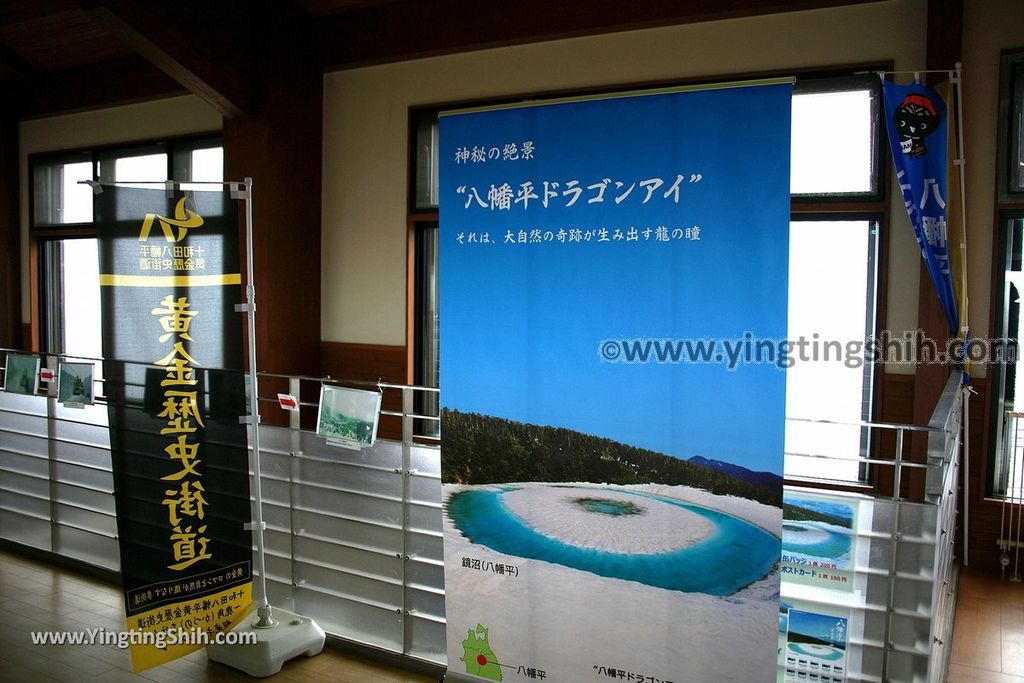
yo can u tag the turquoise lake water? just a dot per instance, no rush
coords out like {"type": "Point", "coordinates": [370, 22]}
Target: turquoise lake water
{"type": "Point", "coordinates": [735, 554]}
{"type": "Point", "coordinates": [833, 547]}
{"type": "Point", "coordinates": [829, 654]}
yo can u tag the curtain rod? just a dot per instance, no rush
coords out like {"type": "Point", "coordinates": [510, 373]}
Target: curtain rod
{"type": "Point", "coordinates": [161, 182]}
{"type": "Point", "coordinates": [170, 186]}
{"type": "Point", "coordinates": [953, 73]}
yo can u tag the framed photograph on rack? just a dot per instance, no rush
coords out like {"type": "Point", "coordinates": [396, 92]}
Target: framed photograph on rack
{"type": "Point", "coordinates": [348, 417]}
{"type": "Point", "coordinates": [74, 384]}
{"type": "Point", "coordinates": [21, 374]}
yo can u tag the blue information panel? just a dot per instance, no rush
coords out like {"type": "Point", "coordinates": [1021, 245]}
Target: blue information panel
{"type": "Point", "coordinates": [613, 323]}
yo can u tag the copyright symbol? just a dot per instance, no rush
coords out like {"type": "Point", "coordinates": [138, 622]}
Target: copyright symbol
{"type": "Point", "coordinates": [610, 350]}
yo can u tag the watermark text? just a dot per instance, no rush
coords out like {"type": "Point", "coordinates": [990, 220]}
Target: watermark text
{"type": "Point", "coordinates": [749, 349]}
{"type": "Point", "coordinates": [159, 639]}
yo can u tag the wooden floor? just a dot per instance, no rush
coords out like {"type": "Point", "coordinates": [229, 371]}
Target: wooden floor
{"type": "Point", "coordinates": [38, 597]}
{"type": "Point", "coordinates": [988, 634]}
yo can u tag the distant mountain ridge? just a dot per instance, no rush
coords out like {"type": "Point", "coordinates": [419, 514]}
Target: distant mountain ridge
{"type": "Point", "coordinates": [484, 449]}
{"type": "Point", "coordinates": [763, 479]}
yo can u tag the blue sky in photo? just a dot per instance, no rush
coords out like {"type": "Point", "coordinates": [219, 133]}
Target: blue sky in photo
{"type": "Point", "coordinates": [820, 626]}
{"type": "Point", "coordinates": [841, 510]}
{"type": "Point", "coordinates": [521, 324]}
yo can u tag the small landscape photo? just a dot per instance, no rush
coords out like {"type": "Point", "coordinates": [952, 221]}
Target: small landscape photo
{"type": "Point", "coordinates": [75, 383]}
{"type": "Point", "coordinates": [348, 416]}
{"type": "Point", "coordinates": [21, 374]}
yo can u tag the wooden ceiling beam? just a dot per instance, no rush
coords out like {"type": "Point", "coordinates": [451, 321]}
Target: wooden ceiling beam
{"type": "Point", "coordinates": [202, 45]}
{"type": "Point", "coordinates": [413, 29]}
{"type": "Point", "coordinates": [22, 11]}
{"type": "Point", "coordinates": [15, 66]}
{"type": "Point", "coordinates": [105, 84]}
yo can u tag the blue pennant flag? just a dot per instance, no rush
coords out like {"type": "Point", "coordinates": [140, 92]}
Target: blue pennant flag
{"type": "Point", "coordinates": [915, 117]}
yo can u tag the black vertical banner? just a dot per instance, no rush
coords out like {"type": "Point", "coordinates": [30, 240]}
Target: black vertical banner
{"type": "Point", "coordinates": [170, 277]}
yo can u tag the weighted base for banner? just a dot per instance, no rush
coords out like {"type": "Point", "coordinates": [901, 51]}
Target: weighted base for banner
{"type": "Point", "coordinates": [293, 635]}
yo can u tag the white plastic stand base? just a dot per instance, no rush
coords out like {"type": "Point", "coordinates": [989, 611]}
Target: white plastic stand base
{"type": "Point", "coordinates": [292, 636]}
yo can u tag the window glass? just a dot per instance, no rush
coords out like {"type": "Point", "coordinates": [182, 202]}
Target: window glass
{"type": "Point", "coordinates": [59, 198]}
{"type": "Point", "coordinates": [208, 165]}
{"type": "Point", "coordinates": [427, 317]}
{"type": "Point", "coordinates": [80, 295]}
{"type": "Point", "coordinates": [835, 147]}
{"type": "Point", "coordinates": [1007, 472]}
{"type": "Point", "coordinates": [69, 268]}
{"type": "Point", "coordinates": [146, 167]}
{"type": "Point", "coordinates": [201, 163]}
{"type": "Point", "coordinates": [831, 312]}
{"type": "Point", "coordinates": [836, 155]}
{"type": "Point", "coordinates": [427, 160]}
{"type": "Point", "coordinates": [1006, 424]}
{"type": "Point", "coordinates": [833, 139]}
{"type": "Point", "coordinates": [1015, 155]}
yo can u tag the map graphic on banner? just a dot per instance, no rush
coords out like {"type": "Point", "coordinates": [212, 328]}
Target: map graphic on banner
{"type": "Point", "coordinates": [169, 278]}
{"type": "Point", "coordinates": [612, 486]}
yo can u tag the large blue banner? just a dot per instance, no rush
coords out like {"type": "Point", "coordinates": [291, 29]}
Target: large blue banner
{"type": "Point", "coordinates": [613, 320]}
{"type": "Point", "coordinates": [915, 117]}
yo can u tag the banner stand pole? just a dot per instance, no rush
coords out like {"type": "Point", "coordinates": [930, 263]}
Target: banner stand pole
{"type": "Point", "coordinates": [959, 162]}
{"type": "Point", "coordinates": [263, 608]}
{"type": "Point", "coordinates": [290, 635]}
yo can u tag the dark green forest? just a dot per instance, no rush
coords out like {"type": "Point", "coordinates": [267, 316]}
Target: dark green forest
{"type": "Point", "coordinates": [795, 637]}
{"type": "Point", "coordinates": [480, 449]}
{"type": "Point", "coordinates": [797, 513]}
{"type": "Point", "coordinates": [334, 424]}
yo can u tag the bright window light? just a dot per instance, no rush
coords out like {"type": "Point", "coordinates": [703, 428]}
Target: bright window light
{"type": "Point", "coordinates": [831, 143]}
{"type": "Point", "coordinates": [829, 287]}
{"type": "Point", "coordinates": [207, 166]}
{"type": "Point", "coordinates": [147, 167]}
{"type": "Point", "coordinates": [80, 294]}
{"type": "Point", "coordinates": [76, 198]}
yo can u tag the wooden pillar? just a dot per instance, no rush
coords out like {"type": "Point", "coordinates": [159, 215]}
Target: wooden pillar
{"type": "Point", "coordinates": [279, 145]}
{"type": "Point", "coordinates": [10, 236]}
{"type": "Point", "coordinates": [255, 62]}
{"type": "Point", "coordinates": [945, 34]}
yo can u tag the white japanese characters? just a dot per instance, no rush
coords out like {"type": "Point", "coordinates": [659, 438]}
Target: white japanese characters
{"type": "Point", "coordinates": [549, 193]}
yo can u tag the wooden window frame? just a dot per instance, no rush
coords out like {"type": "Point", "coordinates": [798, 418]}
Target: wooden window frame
{"type": "Point", "coordinates": [52, 232]}
{"type": "Point", "coordinates": [854, 206]}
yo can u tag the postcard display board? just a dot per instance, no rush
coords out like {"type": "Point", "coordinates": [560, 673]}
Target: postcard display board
{"type": "Point", "coordinates": [612, 454]}
{"type": "Point", "coordinates": [821, 616]}
{"type": "Point", "coordinates": [838, 559]}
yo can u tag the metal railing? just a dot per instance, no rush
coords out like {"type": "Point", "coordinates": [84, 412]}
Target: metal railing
{"type": "Point", "coordinates": [1009, 482]}
{"type": "Point", "coordinates": [911, 542]}
{"type": "Point", "coordinates": [355, 538]}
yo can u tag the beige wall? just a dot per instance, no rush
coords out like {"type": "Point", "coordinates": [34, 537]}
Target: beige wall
{"type": "Point", "coordinates": [366, 120]}
{"type": "Point", "coordinates": [161, 118]}
{"type": "Point", "coordinates": [990, 26]}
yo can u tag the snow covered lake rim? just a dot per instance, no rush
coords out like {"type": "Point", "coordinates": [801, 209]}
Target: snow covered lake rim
{"type": "Point", "coordinates": [766, 517]}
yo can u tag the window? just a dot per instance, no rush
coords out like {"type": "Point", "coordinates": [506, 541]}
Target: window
{"type": "Point", "coordinates": [837, 187]}
{"type": "Point", "coordinates": [426, 318]}
{"type": "Point", "coordinates": [835, 148]}
{"type": "Point", "coordinates": [425, 178]}
{"type": "Point", "coordinates": [58, 197]}
{"type": "Point", "coordinates": [832, 290]}
{"type": "Point", "coordinates": [1007, 437]}
{"type": "Point", "coordinates": [1006, 426]}
{"type": "Point", "coordinates": [64, 235]}
{"type": "Point", "coordinates": [1011, 152]}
